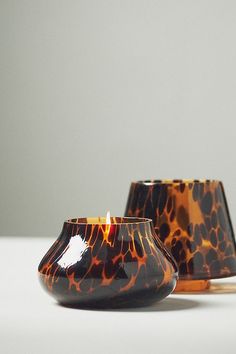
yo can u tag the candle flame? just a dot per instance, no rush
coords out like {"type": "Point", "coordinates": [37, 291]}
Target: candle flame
{"type": "Point", "coordinates": [107, 228]}
{"type": "Point", "coordinates": [108, 218]}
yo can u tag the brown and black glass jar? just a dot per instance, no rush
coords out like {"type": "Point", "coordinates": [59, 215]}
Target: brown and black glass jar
{"type": "Point", "coordinates": [120, 264]}
{"type": "Point", "coordinates": [192, 219]}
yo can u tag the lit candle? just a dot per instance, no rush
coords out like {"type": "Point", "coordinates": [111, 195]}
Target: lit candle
{"type": "Point", "coordinates": [107, 261]}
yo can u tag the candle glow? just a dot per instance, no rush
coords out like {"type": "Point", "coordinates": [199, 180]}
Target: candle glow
{"type": "Point", "coordinates": [108, 218]}
{"type": "Point", "coordinates": [107, 228]}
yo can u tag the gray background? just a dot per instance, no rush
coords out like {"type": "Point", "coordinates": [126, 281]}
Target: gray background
{"type": "Point", "coordinates": [95, 94]}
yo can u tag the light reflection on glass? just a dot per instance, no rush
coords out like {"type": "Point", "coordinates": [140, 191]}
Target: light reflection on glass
{"type": "Point", "coordinates": [73, 252]}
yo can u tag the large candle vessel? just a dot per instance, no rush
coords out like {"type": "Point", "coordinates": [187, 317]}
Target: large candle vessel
{"type": "Point", "coordinates": [192, 219]}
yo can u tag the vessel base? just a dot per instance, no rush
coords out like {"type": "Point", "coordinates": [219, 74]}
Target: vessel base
{"type": "Point", "coordinates": [187, 286]}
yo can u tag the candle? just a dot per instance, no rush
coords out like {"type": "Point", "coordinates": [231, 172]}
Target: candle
{"type": "Point", "coordinates": [108, 262]}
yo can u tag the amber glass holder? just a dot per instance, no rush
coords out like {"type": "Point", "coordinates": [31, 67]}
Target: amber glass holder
{"type": "Point", "coordinates": [191, 218]}
{"type": "Point", "coordinates": [121, 264]}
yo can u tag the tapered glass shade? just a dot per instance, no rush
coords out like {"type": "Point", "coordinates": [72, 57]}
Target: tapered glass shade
{"type": "Point", "coordinates": [192, 219]}
{"type": "Point", "coordinates": [119, 264]}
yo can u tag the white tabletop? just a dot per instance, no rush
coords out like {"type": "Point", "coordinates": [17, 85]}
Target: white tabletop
{"type": "Point", "coordinates": [31, 322]}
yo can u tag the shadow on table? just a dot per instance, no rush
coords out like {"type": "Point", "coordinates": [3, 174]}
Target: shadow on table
{"type": "Point", "coordinates": [169, 304]}
{"type": "Point", "coordinates": [215, 288]}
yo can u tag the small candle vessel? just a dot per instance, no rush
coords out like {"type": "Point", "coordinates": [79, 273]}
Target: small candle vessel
{"type": "Point", "coordinates": [100, 263]}
{"type": "Point", "coordinates": [192, 219]}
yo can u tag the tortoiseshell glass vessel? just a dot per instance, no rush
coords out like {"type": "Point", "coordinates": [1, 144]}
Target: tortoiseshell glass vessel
{"type": "Point", "coordinates": [121, 264]}
{"type": "Point", "coordinates": [191, 217]}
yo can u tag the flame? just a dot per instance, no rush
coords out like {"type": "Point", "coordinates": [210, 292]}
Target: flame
{"type": "Point", "coordinates": [108, 218]}
{"type": "Point", "coordinates": [107, 228]}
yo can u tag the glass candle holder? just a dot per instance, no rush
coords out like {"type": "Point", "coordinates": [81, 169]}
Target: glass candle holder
{"type": "Point", "coordinates": [192, 219]}
{"type": "Point", "coordinates": [95, 264]}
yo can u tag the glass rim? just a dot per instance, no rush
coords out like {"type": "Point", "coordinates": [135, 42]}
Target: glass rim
{"type": "Point", "coordinates": [115, 220]}
{"type": "Point", "coordinates": [151, 182]}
